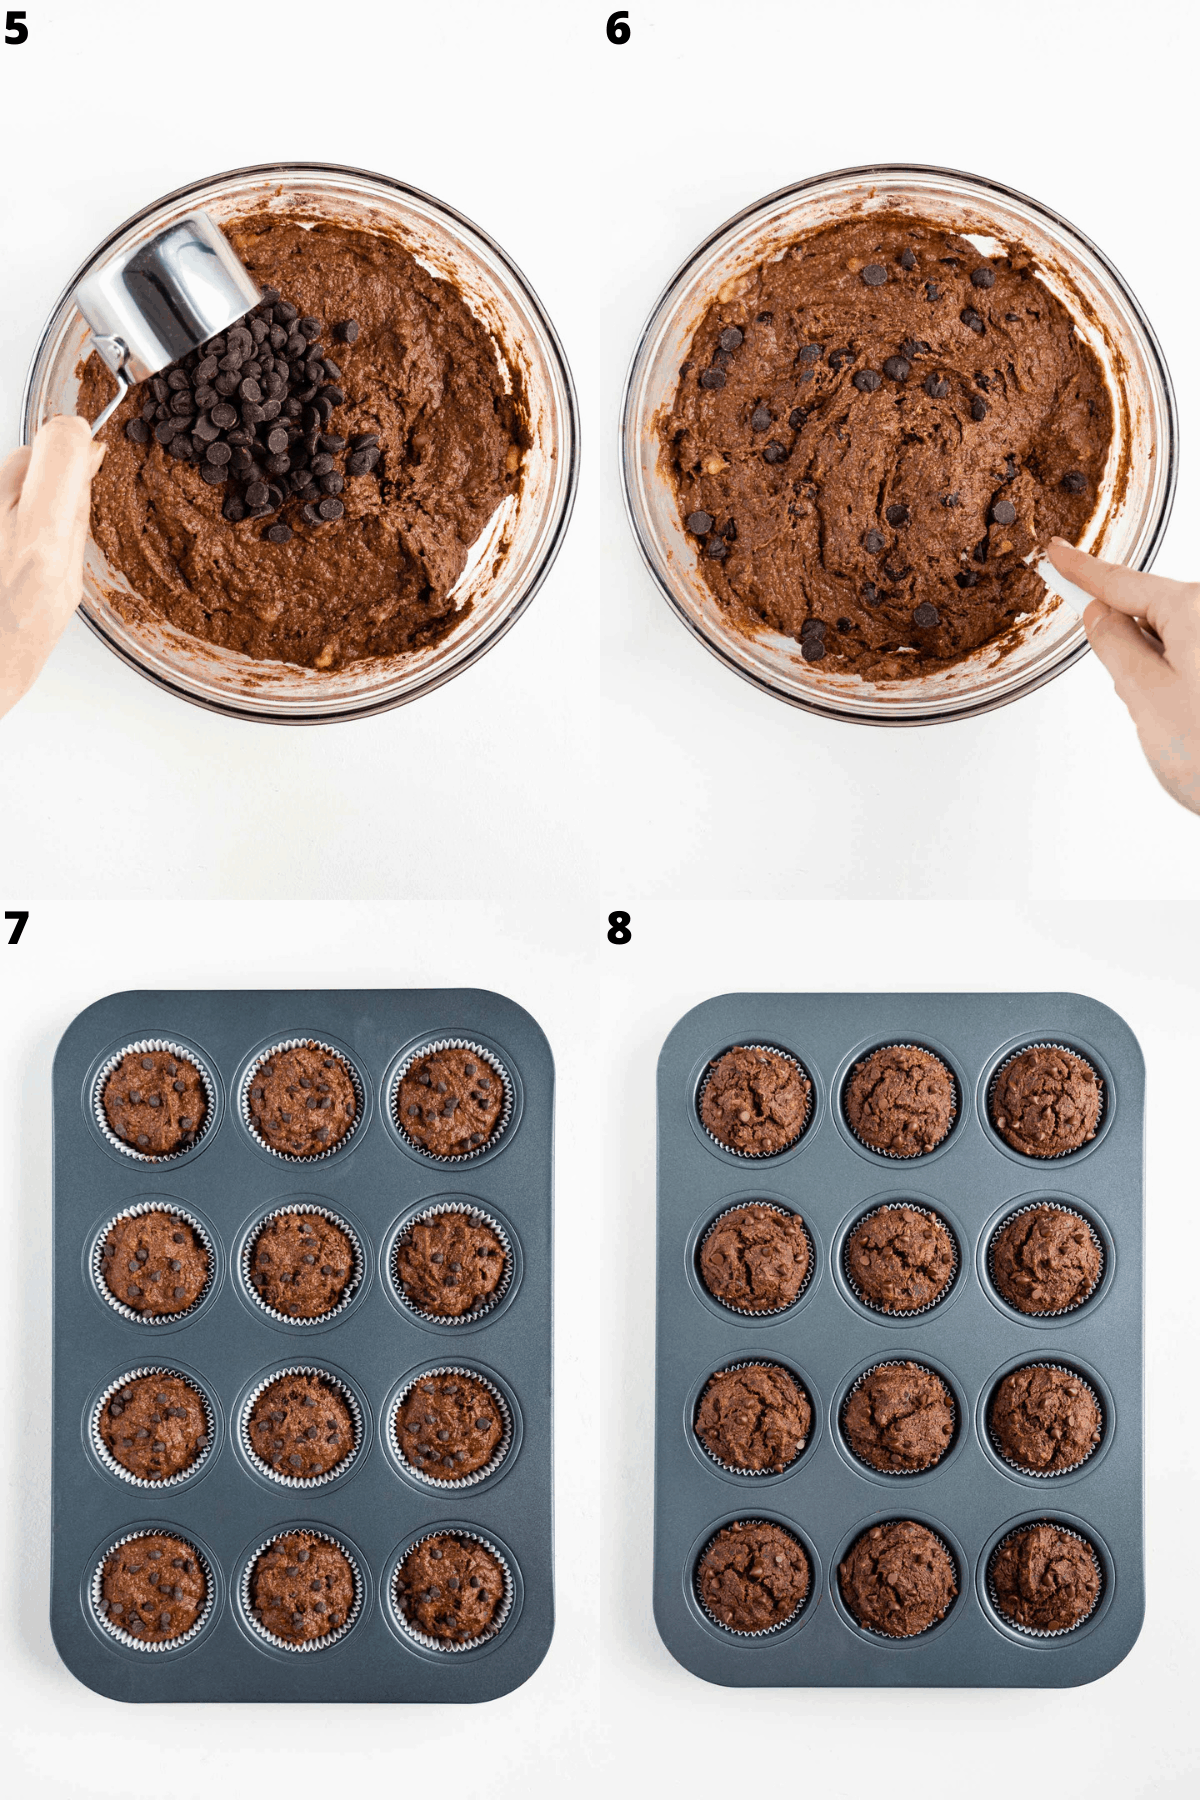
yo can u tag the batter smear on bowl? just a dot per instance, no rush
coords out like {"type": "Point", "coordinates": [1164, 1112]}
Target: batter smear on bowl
{"type": "Point", "coordinates": [872, 434]}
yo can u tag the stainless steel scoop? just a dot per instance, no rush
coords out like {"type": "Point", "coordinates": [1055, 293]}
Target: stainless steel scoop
{"type": "Point", "coordinates": [149, 305]}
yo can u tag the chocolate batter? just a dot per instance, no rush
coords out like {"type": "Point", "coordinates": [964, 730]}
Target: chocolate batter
{"type": "Point", "coordinates": [450, 1102]}
{"type": "Point", "coordinates": [754, 1418]}
{"type": "Point", "coordinates": [1045, 1260]}
{"type": "Point", "coordinates": [900, 1100]}
{"type": "Point", "coordinates": [755, 1101]}
{"type": "Point", "coordinates": [873, 432]}
{"type": "Point", "coordinates": [153, 1587]}
{"type": "Point", "coordinates": [450, 1264]}
{"type": "Point", "coordinates": [755, 1258]}
{"type": "Point", "coordinates": [449, 1425]}
{"type": "Point", "coordinates": [421, 375]}
{"type": "Point", "coordinates": [900, 1417]}
{"type": "Point", "coordinates": [1046, 1101]}
{"type": "Point", "coordinates": [900, 1259]}
{"type": "Point", "coordinates": [155, 1101]}
{"type": "Point", "coordinates": [753, 1576]}
{"type": "Point", "coordinates": [1045, 1419]}
{"type": "Point", "coordinates": [155, 1426]}
{"type": "Point", "coordinates": [301, 1264]}
{"type": "Point", "coordinates": [1046, 1579]}
{"type": "Point", "coordinates": [302, 1587]}
{"type": "Point", "coordinates": [154, 1263]}
{"type": "Point", "coordinates": [898, 1579]}
{"type": "Point", "coordinates": [450, 1588]}
{"type": "Point", "coordinates": [302, 1100]}
{"type": "Point", "coordinates": [301, 1426]}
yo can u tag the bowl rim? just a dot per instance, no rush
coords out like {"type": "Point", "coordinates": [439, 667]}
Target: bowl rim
{"type": "Point", "coordinates": [844, 714]}
{"type": "Point", "coordinates": [568, 447]}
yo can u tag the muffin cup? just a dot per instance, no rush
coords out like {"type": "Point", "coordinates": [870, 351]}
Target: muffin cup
{"type": "Point", "coordinates": [885, 1637]}
{"type": "Point", "coordinates": [1042, 1044]}
{"type": "Point", "coordinates": [896, 1362]}
{"type": "Point", "coordinates": [499, 1617]}
{"type": "Point", "coordinates": [1047, 1206]}
{"type": "Point", "coordinates": [126, 1638]}
{"type": "Point", "coordinates": [477, 1216]}
{"type": "Point", "coordinates": [349, 1292]}
{"type": "Point", "coordinates": [893, 1155]}
{"type": "Point", "coordinates": [754, 1362]}
{"type": "Point", "coordinates": [263, 1468]}
{"type": "Point", "coordinates": [310, 1644]}
{"type": "Point", "coordinates": [767, 1630]}
{"type": "Point", "coordinates": [903, 1312]}
{"type": "Point", "coordinates": [144, 1047]}
{"type": "Point", "coordinates": [1045, 1474]}
{"type": "Point", "coordinates": [463, 1481]}
{"type": "Point", "coordinates": [485, 1056]}
{"type": "Point", "coordinates": [758, 1312]}
{"type": "Point", "coordinates": [136, 1212]}
{"type": "Point", "coordinates": [1030, 1631]}
{"type": "Point", "coordinates": [105, 1456]}
{"type": "Point", "coordinates": [303, 1043]}
{"type": "Point", "coordinates": [757, 1155]}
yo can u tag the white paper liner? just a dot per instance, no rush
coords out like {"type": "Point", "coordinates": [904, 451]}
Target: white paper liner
{"type": "Point", "coordinates": [485, 1056]}
{"type": "Point", "coordinates": [1058, 1312]}
{"type": "Point", "coordinates": [757, 1155]}
{"type": "Point", "coordinates": [462, 1481]}
{"type": "Point", "coordinates": [344, 1392]}
{"type": "Point", "coordinates": [138, 1211]}
{"type": "Point", "coordinates": [767, 1630]}
{"type": "Point", "coordinates": [758, 1312]}
{"type": "Point", "coordinates": [144, 1047]}
{"type": "Point", "coordinates": [308, 1644]}
{"type": "Point", "coordinates": [887, 1637]}
{"type": "Point", "coordinates": [896, 1362]}
{"type": "Point", "coordinates": [902, 1312]}
{"type": "Point", "coordinates": [894, 1155]}
{"type": "Point", "coordinates": [477, 1216]}
{"type": "Point", "coordinates": [755, 1362]}
{"type": "Point", "coordinates": [1045, 1474]}
{"type": "Point", "coordinates": [1041, 1044]}
{"type": "Point", "coordinates": [1030, 1630]}
{"type": "Point", "coordinates": [109, 1461]}
{"type": "Point", "coordinates": [303, 1043]}
{"type": "Point", "coordinates": [498, 1620]}
{"type": "Point", "coordinates": [303, 1208]}
{"type": "Point", "coordinates": [126, 1638]}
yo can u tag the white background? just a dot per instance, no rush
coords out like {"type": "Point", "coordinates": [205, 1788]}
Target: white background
{"type": "Point", "coordinates": [600, 758]}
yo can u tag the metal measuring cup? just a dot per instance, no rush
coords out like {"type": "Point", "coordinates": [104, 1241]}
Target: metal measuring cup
{"type": "Point", "coordinates": [149, 305]}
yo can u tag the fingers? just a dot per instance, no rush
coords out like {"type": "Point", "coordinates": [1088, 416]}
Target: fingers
{"type": "Point", "coordinates": [1137, 668]}
{"type": "Point", "coordinates": [12, 476]}
{"type": "Point", "coordinates": [52, 511]}
{"type": "Point", "coordinates": [1165, 604]}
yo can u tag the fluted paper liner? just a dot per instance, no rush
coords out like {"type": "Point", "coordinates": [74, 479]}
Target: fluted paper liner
{"type": "Point", "coordinates": [126, 1638]}
{"type": "Point", "coordinates": [498, 1620]}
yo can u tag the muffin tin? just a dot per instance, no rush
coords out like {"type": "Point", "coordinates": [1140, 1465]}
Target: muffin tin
{"type": "Point", "coordinates": [972, 1499]}
{"type": "Point", "coordinates": [373, 1346]}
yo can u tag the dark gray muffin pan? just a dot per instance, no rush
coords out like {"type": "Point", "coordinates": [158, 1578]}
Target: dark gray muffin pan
{"type": "Point", "coordinates": [827, 1338]}
{"type": "Point", "coordinates": [374, 1343]}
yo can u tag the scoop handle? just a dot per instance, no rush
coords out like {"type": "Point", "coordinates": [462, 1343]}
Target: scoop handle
{"type": "Point", "coordinates": [115, 355]}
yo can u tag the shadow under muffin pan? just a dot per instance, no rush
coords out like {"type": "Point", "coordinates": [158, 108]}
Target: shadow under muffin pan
{"type": "Point", "coordinates": [228, 1344]}
{"type": "Point", "coordinates": [970, 1498]}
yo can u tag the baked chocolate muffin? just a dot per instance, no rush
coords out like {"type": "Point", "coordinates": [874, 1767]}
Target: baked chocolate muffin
{"type": "Point", "coordinates": [901, 1100]}
{"type": "Point", "coordinates": [155, 1102]}
{"type": "Point", "coordinates": [1045, 1579]}
{"type": "Point", "coordinates": [899, 1417]}
{"type": "Point", "coordinates": [1045, 1419]}
{"type": "Point", "coordinates": [450, 1588]}
{"type": "Point", "coordinates": [302, 1101]}
{"type": "Point", "coordinates": [301, 1427]}
{"type": "Point", "coordinates": [753, 1575]}
{"type": "Point", "coordinates": [153, 1587]}
{"type": "Point", "coordinates": [898, 1579]}
{"type": "Point", "coordinates": [155, 1426]}
{"type": "Point", "coordinates": [450, 1102]}
{"type": "Point", "coordinates": [754, 1418]}
{"type": "Point", "coordinates": [1046, 1101]}
{"type": "Point", "coordinates": [755, 1258]}
{"type": "Point", "coordinates": [301, 1264]}
{"type": "Point", "coordinates": [1045, 1260]}
{"type": "Point", "coordinates": [450, 1264]}
{"type": "Point", "coordinates": [756, 1101]}
{"type": "Point", "coordinates": [449, 1425]}
{"type": "Point", "coordinates": [900, 1259]}
{"type": "Point", "coordinates": [301, 1587]}
{"type": "Point", "coordinates": [154, 1263]}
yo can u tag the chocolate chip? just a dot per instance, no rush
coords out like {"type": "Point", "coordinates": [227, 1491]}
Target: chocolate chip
{"type": "Point", "coordinates": [278, 533]}
{"type": "Point", "coordinates": [979, 409]}
{"type": "Point", "coordinates": [936, 386]}
{"type": "Point", "coordinates": [874, 274]}
{"type": "Point", "coordinates": [699, 523]}
{"type": "Point", "coordinates": [984, 276]}
{"type": "Point", "coordinates": [932, 291]}
{"type": "Point", "coordinates": [137, 431]}
{"type": "Point", "coordinates": [717, 548]}
{"type": "Point", "coordinates": [971, 319]}
{"type": "Point", "coordinates": [331, 509]}
{"type": "Point", "coordinates": [731, 338]}
{"type": "Point", "coordinates": [837, 358]}
{"type": "Point", "coordinates": [873, 541]}
{"type": "Point", "coordinates": [867, 380]}
{"type": "Point", "coordinates": [907, 259]}
{"type": "Point", "coordinates": [870, 593]}
{"type": "Point", "coordinates": [775, 452]}
{"type": "Point", "coordinates": [761, 419]}
{"type": "Point", "coordinates": [845, 625]}
{"type": "Point", "coordinates": [897, 514]}
{"type": "Point", "coordinates": [925, 615]}
{"type": "Point", "coordinates": [712, 378]}
{"type": "Point", "coordinates": [896, 368]}
{"type": "Point", "coordinates": [812, 648]}
{"type": "Point", "coordinates": [1004, 513]}
{"type": "Point", "coordinates": [967, 578]}
{"type": "Point", "coordinates": [1075, 482]}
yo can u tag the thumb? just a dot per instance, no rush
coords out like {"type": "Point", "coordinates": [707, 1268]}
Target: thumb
{"type": "Point", "coordinates": [1138, 670]}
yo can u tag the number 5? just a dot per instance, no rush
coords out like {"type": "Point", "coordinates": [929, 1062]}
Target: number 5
{"type": "Point", "coordinates": [16, 30]}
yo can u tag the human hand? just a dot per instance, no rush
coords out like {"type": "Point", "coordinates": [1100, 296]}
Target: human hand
{"type": "Point", "coordinates": [45, 494]}
{"type": "Point", "coordinates": [1159, 682]}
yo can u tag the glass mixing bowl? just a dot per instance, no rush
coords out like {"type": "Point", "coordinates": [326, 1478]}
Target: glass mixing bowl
{"type": "Point", "coordinates": [508, 562]}
{"type": "Point", "coordinates": [1132, 508]}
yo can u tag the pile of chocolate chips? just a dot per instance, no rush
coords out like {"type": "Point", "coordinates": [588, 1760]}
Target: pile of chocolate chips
{"type": "Point", "coordinates": [252, 409]}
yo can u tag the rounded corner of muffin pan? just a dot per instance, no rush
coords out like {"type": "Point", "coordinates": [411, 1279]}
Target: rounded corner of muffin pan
{"type": "Point", "coordinates": [1054, 1321]}
{"type": "Point", "coordinates": [732, 1315]}
{"type": "Point", "coordinates": [744, 1159]}
{"type": "Point", "coordinates": [1051, 1482]}
{"type": "Point", "coordinates": [102, 1065]}
{"type": "Point", "coordinates": [1027, 1040]}
{"type": "Point", "coordinates": [144, 1203]}
{"type": "Point", "coordinates": [492, 1472]}
{"type": "Point", "coordinates": [239, 1589]}
{"type": "Point", "coordinates": [253, 1465]}
{"type": "Point", "coordinates": [962, 1572]}
{"type": "Point", "coordinates": [899, 1481]}
{"type": "Point", "coordinates": [809, 1607]}
{"type": "Point", "coordinates": [360, 1077]}
{"type": "Point", "coordinates": [1029, 1640]}
{"type": "Point", "coordinates": [753, 1482]}
{"type": "Point", "coordinates": [413, 1641]}
{"type": "Point", "coordinates": [493, 1053]}
{"type": "Point", "coordinates": [109, 1467]}
{"type": "Point", "coordinates": [450, 1328]}
{"type": "Point", "coordinates": [936, 1308]}
{"type": "Point", "coordinates": [121, 1643]}
{"type": "Point", "coordinates": [247, 1235]}
{"type": "Point", "coordinates": [841, 1078]}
